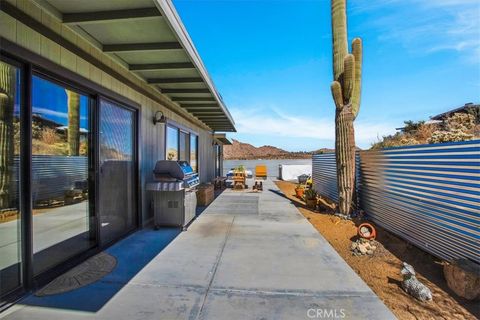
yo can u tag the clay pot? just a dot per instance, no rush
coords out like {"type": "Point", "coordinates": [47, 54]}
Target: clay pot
{"type": "Point", "coordinates": [299, 192]}
{"type": "Point", "coordinates": [370, 234]}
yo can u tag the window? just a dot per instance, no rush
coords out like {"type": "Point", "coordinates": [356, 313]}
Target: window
{"type": "Point", "coordinates": [193, 152]}
{"type": "Point", "coordinates": [218, 160]}
{"type": "Point", "coordinates": [172, 143]}
{"type": "Point", "coordinates": [181, 145]}
{"type": "Point", "coordinates": [184, 146]}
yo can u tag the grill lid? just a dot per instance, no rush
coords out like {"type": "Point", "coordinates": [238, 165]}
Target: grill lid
{"type": "Point", "coordinates": [169, 171]}
{"type": "Point", "coordinates": [176, 169]}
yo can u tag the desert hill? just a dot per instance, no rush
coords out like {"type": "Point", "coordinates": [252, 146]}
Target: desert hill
{"type": "Point", "coordinates": [245, 151]}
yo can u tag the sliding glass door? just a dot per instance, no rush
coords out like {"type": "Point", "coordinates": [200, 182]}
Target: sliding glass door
{"type": "Point", "coordinates": [10, 230]}
{"type": "Point", "coordinates": [68, 173]}
{"type": "Point", "coordinates": [117, 184]}
{"type": "Point", "coordinates": [60, 165]}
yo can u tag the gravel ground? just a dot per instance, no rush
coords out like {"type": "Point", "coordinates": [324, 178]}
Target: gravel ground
{"type": "Point", "coordinates": [381, 271]}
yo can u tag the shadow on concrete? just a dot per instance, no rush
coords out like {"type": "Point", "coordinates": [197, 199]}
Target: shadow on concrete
{"type": "Point", "coordinates": [132, 253]}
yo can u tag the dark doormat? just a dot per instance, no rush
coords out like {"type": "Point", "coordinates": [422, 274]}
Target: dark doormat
{"type": "Point", "coordinates": [84, 274]}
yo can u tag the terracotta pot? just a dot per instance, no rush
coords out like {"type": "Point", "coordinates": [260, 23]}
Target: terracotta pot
{"type": "Point", "coordinates": [372, 233]}
{"type": "Point", "coordinates": [299, 192]}
{"type": "Point", "coordinates": [311, 203]}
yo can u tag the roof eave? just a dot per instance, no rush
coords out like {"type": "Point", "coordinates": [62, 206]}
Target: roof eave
{"type": "Point", "coordinates": [171, 16]}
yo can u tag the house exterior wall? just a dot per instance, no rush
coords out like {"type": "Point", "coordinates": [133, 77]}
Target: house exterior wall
{"type": "Point", "coordinates": [151, 137]}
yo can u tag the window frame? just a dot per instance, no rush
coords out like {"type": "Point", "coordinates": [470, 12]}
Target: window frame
{"type": "Point", "coordinates": [23, 179]}
{"type": "Point", "coordinates": [166, 140]}
{"type": "Point", "coordinates": [196, 150]}
{"type": "Point", "coordinates": [180, 128]}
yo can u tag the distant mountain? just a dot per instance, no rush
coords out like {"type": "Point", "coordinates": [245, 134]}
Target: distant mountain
{"type": "Point", "coordinates": [245, 151]}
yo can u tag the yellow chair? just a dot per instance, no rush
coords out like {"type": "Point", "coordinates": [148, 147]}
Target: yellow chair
{"type": "Point", "coordinates": [261, 171]}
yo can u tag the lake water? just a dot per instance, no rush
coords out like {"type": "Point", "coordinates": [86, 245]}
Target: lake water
{"type": "Point", "coordinates": [272, 165]}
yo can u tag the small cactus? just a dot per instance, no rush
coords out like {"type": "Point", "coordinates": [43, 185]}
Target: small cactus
{"type": "Point", "coordinates": [310, 194]}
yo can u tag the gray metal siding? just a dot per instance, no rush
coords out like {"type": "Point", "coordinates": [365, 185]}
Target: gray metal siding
{"type": "Point", "coordinates": [152, 149]}
{"type": "Point", "coordinates": [426, 194]}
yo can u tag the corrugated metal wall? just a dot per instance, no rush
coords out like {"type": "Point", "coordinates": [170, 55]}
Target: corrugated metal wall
{"type": "Point", "coordinates": [426, 194]}
{"type": "Point", "coordinates": [324, 174]}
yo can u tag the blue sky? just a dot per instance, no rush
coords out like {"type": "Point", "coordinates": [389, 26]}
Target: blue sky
{"type": "Point", "coordinates": [271, 62]}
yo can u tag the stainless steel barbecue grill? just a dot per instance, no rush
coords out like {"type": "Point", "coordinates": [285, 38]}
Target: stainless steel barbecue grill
{"type": "Point", "coordinates": [174, 188]}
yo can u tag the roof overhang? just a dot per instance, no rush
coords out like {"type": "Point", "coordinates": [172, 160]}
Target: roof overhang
{"type": "Point", "coordinates": [148, 38]}
{"type": "Point", "coordinates": [221, 139]}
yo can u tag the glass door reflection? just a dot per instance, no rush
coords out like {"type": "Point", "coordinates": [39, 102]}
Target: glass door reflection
{"type": "Point", "coordinates": [10, 231]}
{"type": "Point", "coordinates": [117, 171]}
{"type": "Point", "coordinates": [60, 164]}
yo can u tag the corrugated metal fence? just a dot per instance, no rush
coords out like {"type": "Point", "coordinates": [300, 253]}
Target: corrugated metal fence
{"type": "Point", "coordinates": [324, 175]}
{"type": "Point", "coordinates": [426, 194]}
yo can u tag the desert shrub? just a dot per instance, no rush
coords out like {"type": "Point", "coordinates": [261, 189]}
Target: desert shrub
{"type": "Point", "coordinates": [411, 126]}
{"type": "Point", "coordinates": [460, 121]}
{"type": "Point", "coordinates": [458, 127]}
{"type": "Point", "coordinates": [450, 136]}
{"type": "Point", "coordinates": [49, 136]}
{"type": "Point", "coordinates": [394, 140]}
{"type": "Point", "coordinates": [83, 148]}
{"type": "Point", "coordinates": [424, 132]}
{"type": "Point", "coordinates": [475, 112]}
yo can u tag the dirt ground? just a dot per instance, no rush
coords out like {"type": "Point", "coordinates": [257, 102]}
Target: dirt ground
{"type": "Point", "coordinates": [381, 271]}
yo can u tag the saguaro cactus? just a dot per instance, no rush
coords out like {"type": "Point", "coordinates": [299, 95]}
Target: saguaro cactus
{"type": "Point", "coordinates": [346, 88]}
{"type": "Point", "coordinates": [73, 123]}
{"type": "Point", "coordinates": [7, 102]}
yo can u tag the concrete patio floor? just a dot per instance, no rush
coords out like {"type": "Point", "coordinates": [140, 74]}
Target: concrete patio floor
{"type": "Point", "coordinates": [248, 256]}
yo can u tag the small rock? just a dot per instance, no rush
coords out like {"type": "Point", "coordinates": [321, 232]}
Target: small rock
{"type": "Point", "coordinates": [362, 248]}
{"type": "Point", "coordinates": [354, 246]}
{"type": "Point", "coordinates": [370, 252]}
{"type": "Point", "coordinates": [373, 248]}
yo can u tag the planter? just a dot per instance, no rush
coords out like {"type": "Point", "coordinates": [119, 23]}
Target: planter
{"type": "Point", "coordinates": [299, 192]}
{"type": "Point", "coordinates": [367, 231]}
{"type": "Point", "coordinates": [205, 194]}
{"type": "Point", "coordinates": [311, 203]}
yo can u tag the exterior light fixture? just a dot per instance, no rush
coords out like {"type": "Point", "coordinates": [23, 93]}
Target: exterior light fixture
{"type": "Point", "coordinates": [159, 118]}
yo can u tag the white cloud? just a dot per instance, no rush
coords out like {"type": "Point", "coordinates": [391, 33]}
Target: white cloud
{"type": "Point", "coordinates": [268, 121]}
{"type": "Point", "coordinates": [427, 26]}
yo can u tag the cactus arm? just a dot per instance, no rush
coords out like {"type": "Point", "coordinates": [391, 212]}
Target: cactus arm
{"type": "Point", "coordinates": [348, 77]}
{"type": "Point", "coordinates": [357, 88]}
{"type": "Point", "coordinates": [337, 94]}
{"type": "Point", "coordinates": [339, 36]}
